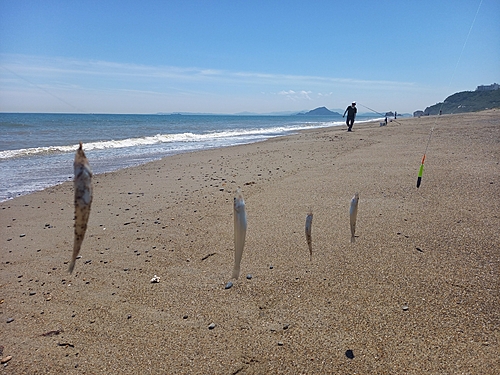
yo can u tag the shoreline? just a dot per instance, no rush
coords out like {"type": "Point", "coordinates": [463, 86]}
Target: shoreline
{"type": "Point", "coordinates": [55, 168]}
{"type": "Point", "coordinates": [417, 293]}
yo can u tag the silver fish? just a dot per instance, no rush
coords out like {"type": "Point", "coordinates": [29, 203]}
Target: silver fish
{"type": "Point", "coordinates": [353, 213]}
{"type": "Point", "coordinates": [240, 231]}
{"type": "Point", "coordinates": [309, 221]}
{"type": "Point", "coordinates": [83, 200]}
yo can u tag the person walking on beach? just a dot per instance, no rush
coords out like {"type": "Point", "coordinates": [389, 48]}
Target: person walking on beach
{"type": "Point", "coordinates": [351, 115]}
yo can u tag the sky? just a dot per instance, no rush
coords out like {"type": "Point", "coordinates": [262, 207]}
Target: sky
{"type": "Point", "coordinates": [234, 56]}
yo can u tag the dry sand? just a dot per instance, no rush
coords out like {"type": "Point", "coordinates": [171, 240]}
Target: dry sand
{"type": "Point", "coordinates": [418, 293]}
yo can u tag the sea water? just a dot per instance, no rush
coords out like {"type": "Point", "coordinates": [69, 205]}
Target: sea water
{"type": "Point", "coordinates": [37, 150]}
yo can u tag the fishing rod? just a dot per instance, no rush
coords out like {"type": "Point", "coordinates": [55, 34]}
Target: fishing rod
{"type": "Point", "coordinates": [43, 89]}
{"type": "Point", "coordinates": [377, 112]}
{"type": "Point", "coordinates": [421, 170]}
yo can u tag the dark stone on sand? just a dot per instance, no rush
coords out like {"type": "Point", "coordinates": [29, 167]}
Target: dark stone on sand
{"type": "Point", "coordinates": [211, 326]}
{"type": "Point", "coordinates": [249, 277]}
{"type": "Point", "coordinates": [349, 354]}
{"type": "Point", "coordinates": [228, 285]}
{"type": "Point", "coordinates": [10, 320]}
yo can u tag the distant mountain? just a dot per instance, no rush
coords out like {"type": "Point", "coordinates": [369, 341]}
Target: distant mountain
{"type": "Point", "coordinates": [466, 101]}
{"type": "Point", "coordinates": [321, 111]}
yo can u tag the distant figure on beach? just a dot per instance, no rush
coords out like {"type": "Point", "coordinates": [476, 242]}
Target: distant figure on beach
{"type": "Point", "coordinates": [351, 115]}
{"type": "Point", "coordinates": [395, 115]}
{"type": "Point", "coordinates": [385, 120]}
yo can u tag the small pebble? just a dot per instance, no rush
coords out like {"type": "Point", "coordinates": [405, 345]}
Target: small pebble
{"type": "Point", "coordinates": [228, 285]}
{"type": "Point", "coordinates": [32, 293]}
{"type": "Point", "coordinates": [405, 308]}
{"type": "Point", "coordinates": [155, 279]}
{"type": "Point", "coordinates": [271, 267]}
{"type": "Point", "coordinates": [22, 235]}
{"type": "Point", "coordinates": [10, 320]}
{"type": "Point", "coordinates": [185, 317]}
{"type": "Point", "coordinates": [280, 343]}
{"type": "Point", "coordinates": [129, 316]}
{"type": "Point", "coordinates": [249, 277]}
{"type": "Point", "coordinates": [6, 359]}
{"type": "Point", "coordinates": [211, 326]}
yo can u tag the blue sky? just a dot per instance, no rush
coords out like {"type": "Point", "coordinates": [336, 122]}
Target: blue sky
{"type": "Point", "coordinates": [234, 56]}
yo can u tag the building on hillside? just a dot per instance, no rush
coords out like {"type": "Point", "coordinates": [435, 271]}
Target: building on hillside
{"type": "Point", "coordinates": [493, 86]}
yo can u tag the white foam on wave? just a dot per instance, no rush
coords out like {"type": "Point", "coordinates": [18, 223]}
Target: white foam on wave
{"type": "Point", "coordinates": [162, 138]}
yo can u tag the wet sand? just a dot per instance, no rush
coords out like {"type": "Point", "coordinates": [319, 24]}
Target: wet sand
{"type": "Point", "coordinates": [417, 293]}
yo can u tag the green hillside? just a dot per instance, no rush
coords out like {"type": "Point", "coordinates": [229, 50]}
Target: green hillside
{"type": "Point", "coordinates": [466, 101]}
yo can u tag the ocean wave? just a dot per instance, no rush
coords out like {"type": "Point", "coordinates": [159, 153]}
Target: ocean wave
{"type": "Point", "coordinates": [161, 138]}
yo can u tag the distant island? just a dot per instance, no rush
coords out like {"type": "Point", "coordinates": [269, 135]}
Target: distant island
{"type": "Point", "coordinates": [484, 97]}
{"type": "Point", "coordinates": [321, 111]}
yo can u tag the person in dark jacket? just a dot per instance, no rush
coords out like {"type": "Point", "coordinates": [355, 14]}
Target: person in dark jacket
{"type": "Point", "coordinates": [351, 115]}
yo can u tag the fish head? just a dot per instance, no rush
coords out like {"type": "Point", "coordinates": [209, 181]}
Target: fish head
{"type": "Point", "coordinates": [81, 162]}
{"type": "Point", "coordinates": [355, 197]}
{"type": "Point", "coordinates": [239, 202]}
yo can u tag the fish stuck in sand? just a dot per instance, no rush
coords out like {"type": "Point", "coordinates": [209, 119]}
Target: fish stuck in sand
{"type": "Point", "coordinates": [353, 213]}
{"type": "Point", "coordinates": [240, 231]}
{"type": "Point", "coordinates": [309, 221]}
{"type": "Point", "coordinates": [83, 200]}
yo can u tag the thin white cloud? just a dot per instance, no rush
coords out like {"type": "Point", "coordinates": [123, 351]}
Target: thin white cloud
{"type": "Point", "coordinates": [64, 67]}
{"type": "Point", "coordinates": [296, 95]}
{"type": "Point", "coordinates": [90, 82]}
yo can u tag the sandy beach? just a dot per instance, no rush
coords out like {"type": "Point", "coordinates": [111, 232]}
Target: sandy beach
{"type": "Point", "coordinates": [417, 293]}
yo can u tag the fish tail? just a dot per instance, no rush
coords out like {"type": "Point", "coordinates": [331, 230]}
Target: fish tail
{"type": "Point", "coordinates": [236, 273]}
{"type": "Point", "coordinates": [71, 266]}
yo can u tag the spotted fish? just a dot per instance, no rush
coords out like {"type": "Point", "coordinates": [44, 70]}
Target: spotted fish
{"type": "Point", "coordinates": [83, 200]}
{"type": "Point", "coordinates": [309, 221]}
{"type": "Point", "coordinates": [240, 230]}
